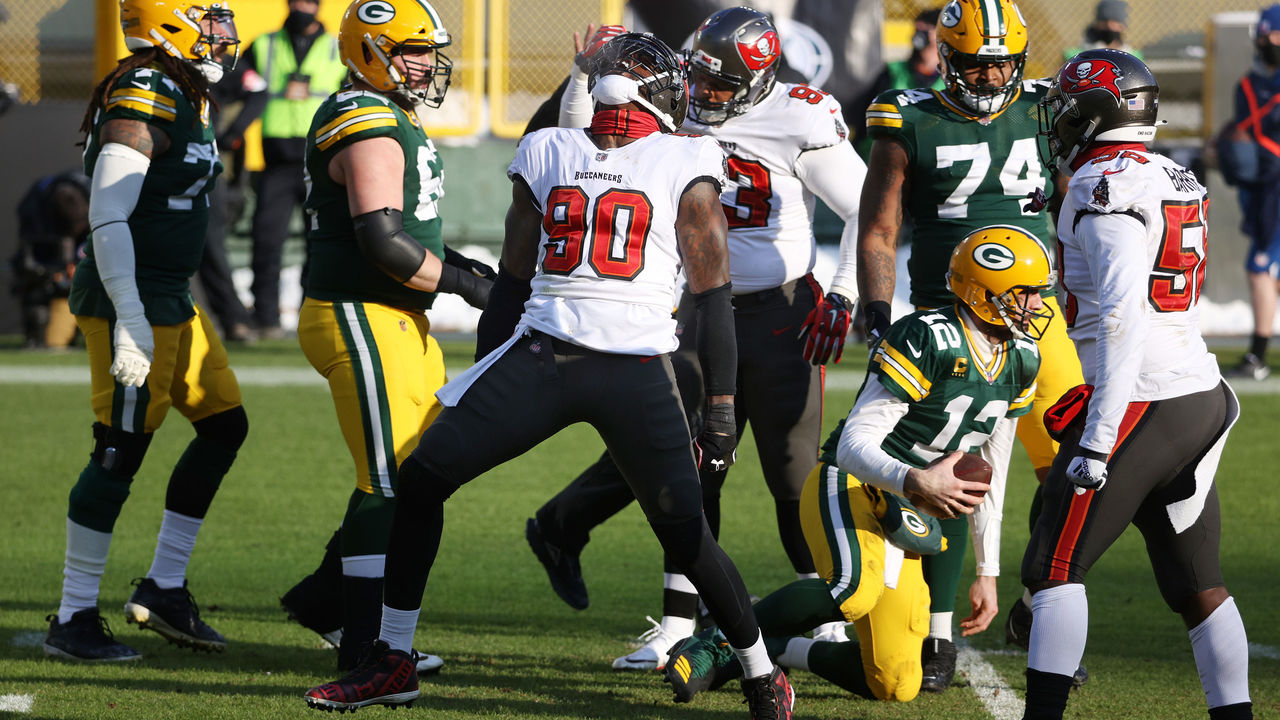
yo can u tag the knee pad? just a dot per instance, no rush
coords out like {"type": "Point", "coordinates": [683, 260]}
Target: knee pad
{"type": "Point", "coordinates": [118, 452]}
{"type": "Point", "coordinates": [97, 497]}
{"type": "Point", "coordinates": [228, 429]}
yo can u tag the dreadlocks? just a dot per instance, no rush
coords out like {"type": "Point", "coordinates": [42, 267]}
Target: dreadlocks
{"type": "Point", "coordinates": [195, 88]}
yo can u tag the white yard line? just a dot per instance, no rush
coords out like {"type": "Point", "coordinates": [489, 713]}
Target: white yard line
{"type": "Point", "coordinates": [1263, 651]}
{"type": "Point", "coordinates": [17, 703]}
{"type": "Point", "coordinates": [997, 697]}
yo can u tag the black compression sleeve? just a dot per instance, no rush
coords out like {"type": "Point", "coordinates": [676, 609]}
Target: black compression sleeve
{"type": "Point", "coordinates": [382, 240]}
{"type": "Point", "coordinates": [717, 339]}
{"type": "Point", "coordinates": [506, 305]}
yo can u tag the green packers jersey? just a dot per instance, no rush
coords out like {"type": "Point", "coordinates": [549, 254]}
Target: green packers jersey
{"type": "Point", "coordinates": [337, 270]}
{"type": "Point", "coordinates": [927, 360]}
{"type": "Point", "coordinates": [171, 217]}
{"type": "Point", "coordinates": [964, 172]}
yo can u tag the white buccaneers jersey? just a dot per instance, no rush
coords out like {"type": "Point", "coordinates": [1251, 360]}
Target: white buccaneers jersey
{"type": "Point", "coordinates": [769, 209]}
{"type": "Point", "coordinates": [1133, 248]}
{"type": "Point", "coordinates": [608, 261]}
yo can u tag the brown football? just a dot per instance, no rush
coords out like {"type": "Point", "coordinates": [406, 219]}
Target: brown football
{"type": "Point", "coordinates": [972, 468]}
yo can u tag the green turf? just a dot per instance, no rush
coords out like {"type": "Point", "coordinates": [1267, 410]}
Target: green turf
{"type": "Point", "coordinates": [512, 649]}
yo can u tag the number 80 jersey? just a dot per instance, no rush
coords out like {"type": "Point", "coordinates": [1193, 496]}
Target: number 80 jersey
{"type": "Point", "coordinates": [964, 172]}
{"type": "Point", "coordinates": [927, 360]}
{"type": "Point", "coordinates": [608, 259]}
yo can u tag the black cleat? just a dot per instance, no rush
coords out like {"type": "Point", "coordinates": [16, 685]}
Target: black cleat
{"type": "Point", "coordinates": [562, 567]}
{"type": "Point", "coordinates": [316, 608]}
{"type": "Point", "coordinates": [938, 657]}
{"type": "Point", "coordinates": [87, 638]}
{"type": "Point", "coordinates": [173, 614]}
{"type": "Point", "coordinates": [769, 697]}
{"type": "Point", "coordinates": [700, 663]}
{"type": "Point", "coordinates": [1017, 631]}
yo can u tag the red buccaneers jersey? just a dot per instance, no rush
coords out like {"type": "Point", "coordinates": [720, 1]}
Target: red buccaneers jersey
{"type": "Point", "coordinates": [608, 260]}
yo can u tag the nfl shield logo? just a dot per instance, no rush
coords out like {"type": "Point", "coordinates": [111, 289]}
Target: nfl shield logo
{"type": "Point", "coordinates": [602, 156]}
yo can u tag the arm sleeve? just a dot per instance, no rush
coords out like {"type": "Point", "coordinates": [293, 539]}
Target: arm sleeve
{"type": "Point", "coordinates": [576, 105]}
{"type": "Point", "coordinates": [1116, 248]}
{"type": "Point", "coordinates": [984, 523]}
{"type": "Point", "coordinates": [836, 174]}
{"type": "Point", "coordinates": [117, 181]}
{"type": "Point", "coordinates": [859, 452]}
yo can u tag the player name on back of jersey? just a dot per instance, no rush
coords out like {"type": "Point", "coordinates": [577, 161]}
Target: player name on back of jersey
{"type": "Point", "coordinates": [596, 175]}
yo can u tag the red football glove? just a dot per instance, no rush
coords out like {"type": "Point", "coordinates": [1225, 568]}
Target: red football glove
{"type": "Point", "coordinates": [597, 41]}
{"type": "Point", "coordinates": [827, 327]}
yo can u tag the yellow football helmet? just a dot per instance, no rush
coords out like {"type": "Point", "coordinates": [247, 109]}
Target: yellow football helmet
{"type": "Point", "coordinates": [994, 269]}
{"type": "Point", "coordinates": [201, 32]}
{"type": "Point", "coordinates": [978, 32]}
{"type": "Point", "coordinates": [375, 31]}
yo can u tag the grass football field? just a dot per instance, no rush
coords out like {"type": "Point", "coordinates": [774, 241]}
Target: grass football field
{"type": "Point", "coordinates": [512, 649]}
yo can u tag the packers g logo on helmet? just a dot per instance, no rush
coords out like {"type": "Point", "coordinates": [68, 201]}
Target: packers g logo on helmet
{"type": "Point", "coordinates": [994, 269]}
{"type": "Point", "coordinates": [373, 32]}
{"type": "Point", "coordinates": [376, 12]}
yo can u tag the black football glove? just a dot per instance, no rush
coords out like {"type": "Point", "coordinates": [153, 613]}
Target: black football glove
{"type": "Point", "coordinates": [877, 317]}
{"type": "Point", "coordinates": [476, 278]}
{"type": "Point", "coordinates": [827, 326]}
{"type": "Point", "coordinates": [717, 444]}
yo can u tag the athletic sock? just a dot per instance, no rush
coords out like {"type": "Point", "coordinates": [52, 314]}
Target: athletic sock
{"type": "Point", "coordinates": [796, 655]}
{"type": "Point", "coordinates": [174, 546]}
{"type": "Point", "coordinates": [1046, 694]}
{"type": "Point", "coordinates": [678, 627]}
{"type": "Point", "coordinates": [755, 659]}
{"type": "Point", "coordinates": [1258, 346]}
{"type": "Point", "coordinates": [940, 625]}
{"type": "Point", "coordinates": [679, 598]}
{"type": "Point", "coordinates": [86, 560]}
{"type": "Point", "coordinates": [1221, 650]}
{"type": "Point", "coordinates": [1059, 628]}
{"type": "Point", "coordinates": [397, 628]}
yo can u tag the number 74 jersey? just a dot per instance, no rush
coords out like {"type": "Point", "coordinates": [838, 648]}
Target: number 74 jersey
{"type": "Point", "coordinates": [927, 359]}
{"type": "Point", "coordinates": [964, 172]}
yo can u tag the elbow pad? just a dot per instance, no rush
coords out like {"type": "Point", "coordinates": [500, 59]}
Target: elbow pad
{"type": "Point", "coordinates": [382, 240]}
{"type": "Point", "coordinates": [717, 339]}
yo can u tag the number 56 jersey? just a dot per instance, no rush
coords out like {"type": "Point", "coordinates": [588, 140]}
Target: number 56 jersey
{"type": "Point", "coordinates": [608, 258]}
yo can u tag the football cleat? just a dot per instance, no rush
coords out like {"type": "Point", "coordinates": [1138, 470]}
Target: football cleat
{"type": "Point", "coordinates": [654, 646]}
{"type": "Point", "coordinates": [769, 697]}
{"type": "Point", "coordinates": [87, 638]}
{"type": "Point", "coordinates": [938, 658]}
{"type": "Point", "coordinates": [563, 569]}
{"type": "Point", "coordinates": [427, 664]}
{"type": "Point", "coordinates": [383, 677]}
{"type": "Point", "coordinates": [699, 663]}
{"type": "Point", "coordinates": [315, 608]}
{"type": "Point", "coordinates": [173, 614]}
{"type": "Point", "coordinates": [1250, 367]}
{"type": "Point", "coordinates": [1017, 631]}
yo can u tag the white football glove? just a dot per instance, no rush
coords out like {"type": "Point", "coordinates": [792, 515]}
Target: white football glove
{"type": "Point", "coordinates": [134, 347]}
{"type": "Point", "coordinates": [1087, 472]}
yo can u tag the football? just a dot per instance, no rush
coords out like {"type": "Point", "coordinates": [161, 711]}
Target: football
{"type": "Point", "coordinates": [972, 468]}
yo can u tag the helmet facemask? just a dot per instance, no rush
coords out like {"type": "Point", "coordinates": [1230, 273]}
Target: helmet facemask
{"type": "Point", "coordinates": [219, 44]}
{"type": "Point", "coordinates": [438, 73]}
{"type": "Point", "coordinates": [981, 99]}
{"type": "Point", "coordinates": [1011, 308]}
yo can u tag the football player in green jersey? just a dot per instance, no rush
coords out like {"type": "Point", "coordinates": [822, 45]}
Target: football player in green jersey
{"type": "Point", "coordinates": [376, 262]}
{"type": "Point", "coordinates": [954, 160]}
{"type": "Point", "coordinates": [941, 383]}
{"type": "Point", "coordinates": [151, 155]}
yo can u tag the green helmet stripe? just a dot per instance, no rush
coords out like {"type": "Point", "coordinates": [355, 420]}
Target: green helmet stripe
{"type": "Point", "coordinates": [993, 22]}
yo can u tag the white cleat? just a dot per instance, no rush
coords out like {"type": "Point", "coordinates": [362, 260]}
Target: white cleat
{"type": "Point", "coordinates": [428, 664]}
{"type": "Point", "coordinates": [654, 646]}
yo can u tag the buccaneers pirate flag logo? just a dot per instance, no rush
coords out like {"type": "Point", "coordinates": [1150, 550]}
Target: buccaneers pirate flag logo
{"type": "Point", "coordinates": [1084, 75]}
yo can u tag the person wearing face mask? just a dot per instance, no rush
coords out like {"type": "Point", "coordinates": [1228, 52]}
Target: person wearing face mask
{"type": "Point", "coordinates": [1249, 156]}
{"type": "Point", "coordinates": [301, 66]}
{"type": "Point", "coordinates": [1108, 30]}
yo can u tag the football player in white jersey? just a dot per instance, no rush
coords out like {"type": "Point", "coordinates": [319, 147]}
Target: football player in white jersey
{"type": "Point", "coordinates": [1142, 439]}
{"type": "Point", "coordinates": [787, 145]}
{"type": "Point", "coordinates": [578, 329]}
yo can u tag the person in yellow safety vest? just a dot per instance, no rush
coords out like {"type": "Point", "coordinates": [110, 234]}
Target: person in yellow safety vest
{"type": "Point", "coordinates": [301, 67]}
